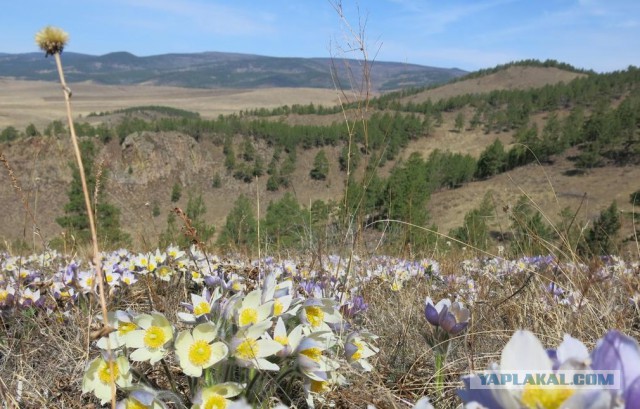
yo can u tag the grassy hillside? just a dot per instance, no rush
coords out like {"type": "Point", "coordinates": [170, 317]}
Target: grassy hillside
{"type": "Point", "coordinates": [572, 128]}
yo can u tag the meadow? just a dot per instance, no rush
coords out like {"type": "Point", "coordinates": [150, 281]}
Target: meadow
{"type": "Point", "coordinates": [339, 325]}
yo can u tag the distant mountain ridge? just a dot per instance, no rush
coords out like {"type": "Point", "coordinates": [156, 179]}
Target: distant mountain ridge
{"type": "Point", "coordinates": [221, 70]}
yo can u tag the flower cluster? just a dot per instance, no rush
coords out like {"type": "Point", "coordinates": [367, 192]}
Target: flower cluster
{"type": "Point", "coordinates": [233, 344]}
{"type": "Point", "coordinates": [52, 282]}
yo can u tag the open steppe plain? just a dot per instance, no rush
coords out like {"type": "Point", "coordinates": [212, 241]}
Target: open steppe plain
{"type": "Point", "coordinates": [39, 102]}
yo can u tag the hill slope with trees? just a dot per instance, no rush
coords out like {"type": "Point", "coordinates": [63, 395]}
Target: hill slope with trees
{"type": "Point", "coordinates": [328, 175]}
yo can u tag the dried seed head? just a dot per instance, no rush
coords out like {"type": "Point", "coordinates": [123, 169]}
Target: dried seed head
{"type": "Point", "coordinates": [51, 40]}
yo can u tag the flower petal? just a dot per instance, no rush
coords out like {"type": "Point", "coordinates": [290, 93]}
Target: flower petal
{"type": "Point", "coordinates": [572, 350]}
{"type": "Point", "coordinates": [205, 332]}
{"type": "Point", "coordinates": [524, 352]}
{"type": "Point", "coordinates": [430, 312]}
{"type": "Point", "coordinates": [616, 351]}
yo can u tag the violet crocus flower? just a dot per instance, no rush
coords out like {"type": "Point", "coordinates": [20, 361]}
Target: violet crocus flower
{"type": "Point", "coordinates": [354, 307]}
{"type": "Point", "coordinates": [453, 318]}
{"type": "Point", "coordinates": [618, 352]}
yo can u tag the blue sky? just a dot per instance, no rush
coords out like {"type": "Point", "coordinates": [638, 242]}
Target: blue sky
{"type": "Point", "coordinates": [468, 34]}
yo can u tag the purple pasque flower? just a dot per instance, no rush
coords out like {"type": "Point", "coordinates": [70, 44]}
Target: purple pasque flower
{"type": "Point", "coordinates": [453, 318]}
{"type": "Point", "coordinates": [432, 312]}
{"type": "Point", "coordinates": [30, 298]}
{"type": "Point", "coordinates": [618, 352]}
{"type": "Point", "coordinates": [354, 306]}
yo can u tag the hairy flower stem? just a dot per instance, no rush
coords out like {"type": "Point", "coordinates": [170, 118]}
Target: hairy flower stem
{"type": "Point", "coordinates": [253, 377]}
{"type": "Point", "coordinates": [440, 360]}
{"type": "Point", "coordinates": [92, 225]}
{"type": "Point", "coordinates": [208, 377]}
{"type": "Point", "coordinates": [167, 372]}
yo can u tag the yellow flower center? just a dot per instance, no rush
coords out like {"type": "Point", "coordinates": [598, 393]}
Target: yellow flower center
{"type": "Point", "coordinates": [195, 275]}
{"type": "Point", "coordinates": [313, 353]}
{"type": "Point", "coordinates": [124, 327]}
{"type": "Point", "coordinates": [396, 286]}
{"type": "Point", "coordinates": [202, 308]}
{"type": "Point", "coordinates": [109, 278]}
{"type": "Point", "coordinates": [89, 281]}
{"type": "Point", "coordinates": [215, 401]}
{"type": "Point", "coordinates": [164, 271]}
{"type": "Point", "coordinates": [134, 404]}
{"type": "Point", "coordinates": [104, 372]}
{"type": "Point", "coordinates": [127, 280]}
{"type": "Point", "coordinates": [358, 354]}
{"type": "Point", "coordinates": [3, 295]}
{"type": "Point", "coordinates": [248, 316]}
{"type": "Point", "coordinates": [277, 307]}
{"type": "Point", "coordinates": [236, 286]}
{"type": "Point", "coordinates": [199, 353]}
{"type": "Point", "coordinates": [544, 398]}
{"type": "Point", "coordinates": [247, 350]}
{"type": "Point", "coordinates": [282, 339]}
{"type": "Point", "coordinates": [144, 262]}
{"type": "Point", "coordinates": [154, 337]}
{"type": "Point", "coordinates": [319, 386]}
{"type": "Point", "coordinates": [315, 315]}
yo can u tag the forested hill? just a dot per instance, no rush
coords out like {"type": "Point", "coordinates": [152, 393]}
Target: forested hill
{"type": "Point", "coordinates": [215, 70]}
{"type": "Point", "coordinates": [397, 159]}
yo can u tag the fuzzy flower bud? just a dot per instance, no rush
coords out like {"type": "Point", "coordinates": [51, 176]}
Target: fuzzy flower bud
{"type": "Point", "coordinates": [51, 40]}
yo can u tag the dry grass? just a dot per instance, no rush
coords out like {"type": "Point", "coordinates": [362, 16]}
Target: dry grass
{"type": "Point", "coordinates": [405, 363]}
{"type": "Point", "coordinates": [43, 355]}
{"type": "Point", "coordinates": [550, 187]}
{"type": "Point", "coordinates": [509, 79]}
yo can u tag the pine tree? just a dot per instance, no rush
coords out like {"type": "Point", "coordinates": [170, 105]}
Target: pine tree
{"type": "Point", "coordinates": [176, 192]}
{"type": "Point", "coordinates": [407, 197]}
{"type": "Point", "coordinates": [107, 216]}
{"type": "Point", "coordinates": [240, 228]}
{"type": "Point", "coordinates": [600, 239]}
{"type": "Point", "coordinates": [475, 230]}
{"type": "Point", "coordinates": [320, 169]}
{"type": "Point", "coordinates": [532, 234]}
{"type": "Point", "coordinates": [284, 223]}
{"type": "Point", "coordinates": [459, 122]}
{"type": "Point", "coordinates": [492, 160]}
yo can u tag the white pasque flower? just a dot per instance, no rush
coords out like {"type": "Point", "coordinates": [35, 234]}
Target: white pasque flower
{"type": "Point", "coordinates": [318, 312]}
{"type": "Point", "coordinates": [525, 352]}
{"type": "Point", "coordinates": [197, 351]}
{"type": "Point", "coordinates": [250, 350]}
{"type": "Point", "coordinates": [122, 322]}
{"type": "Point", "coordinates": [251, 310]}
{"type": "Point", "coordinates": [150, 341]}
{"type": "Point", "coordinates": [100, 373]}
{"type": "Point", "coordinates": [217, 396]}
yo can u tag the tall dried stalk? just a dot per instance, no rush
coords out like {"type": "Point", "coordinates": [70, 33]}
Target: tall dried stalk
{"type": "Point", "coordinates": [52, 41]}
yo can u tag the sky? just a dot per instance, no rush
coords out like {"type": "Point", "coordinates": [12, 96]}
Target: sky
{"type": "Point", "coordinates": [601, 35]}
